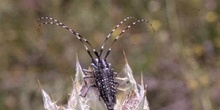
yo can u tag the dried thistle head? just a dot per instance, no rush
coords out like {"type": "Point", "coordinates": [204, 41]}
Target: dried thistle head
{"type": "Point", "coordinates": [130, 96]}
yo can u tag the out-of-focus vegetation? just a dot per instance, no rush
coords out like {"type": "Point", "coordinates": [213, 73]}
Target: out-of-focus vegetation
{"type": "Point", "coordinates": [180, 62]}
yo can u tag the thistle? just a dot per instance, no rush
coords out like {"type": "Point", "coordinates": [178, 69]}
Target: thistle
{"type": "Point", "coordinates": [130, 95]}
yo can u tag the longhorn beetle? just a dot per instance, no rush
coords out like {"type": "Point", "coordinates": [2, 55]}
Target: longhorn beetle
{"type": "Point", "coordinates": [102, 72]}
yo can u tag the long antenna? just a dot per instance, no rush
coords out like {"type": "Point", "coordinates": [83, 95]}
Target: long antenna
{"type": "Point", "coordinates": [123, 31]}
{"type": "Point", "coordinates": [52, 21]}
{"type": "Point", "coordinates": [117, 26]}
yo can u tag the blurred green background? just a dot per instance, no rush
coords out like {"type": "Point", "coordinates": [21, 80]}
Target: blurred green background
{"type": "Point", "coordinates": [180, 62]}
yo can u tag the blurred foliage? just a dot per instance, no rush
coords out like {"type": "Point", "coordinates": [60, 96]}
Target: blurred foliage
{"type": "Point", "coordinates": [180, 61]}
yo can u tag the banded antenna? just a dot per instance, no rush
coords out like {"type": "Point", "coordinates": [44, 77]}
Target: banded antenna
{"type": "Point", "coordinates": [52, 21]}
{"type": "Point", "coordinates": [112, 31]}
{"type": "Point", "coordinates": [123, 31]}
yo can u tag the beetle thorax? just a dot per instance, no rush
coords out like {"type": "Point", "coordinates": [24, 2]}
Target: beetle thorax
{"type": "Point", "coordinates": [100, 63]}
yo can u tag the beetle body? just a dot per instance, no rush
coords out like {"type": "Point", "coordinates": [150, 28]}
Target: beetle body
{"type": "Point", "coordinates": [104, 79]}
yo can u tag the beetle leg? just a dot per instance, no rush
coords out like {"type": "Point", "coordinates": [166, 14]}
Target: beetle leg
{"type": "Point", "coordinates": [88, 90]}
